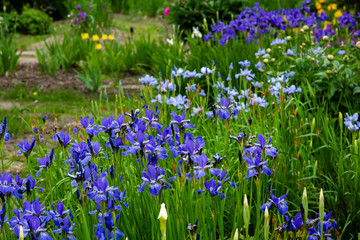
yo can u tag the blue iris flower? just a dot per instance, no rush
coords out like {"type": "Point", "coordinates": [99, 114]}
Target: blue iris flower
{"type": "Point", "coordinates": [26, 147]}
{"type": "Point", "coordinates": [4, 135]}
{"type": "Point", "coordinates": [62, 138]}
{"type": "Point", "coordinates": [154, 176]}
{"type": "Point", "coordinates": [279, 203]}
{"type": "Point", "coordinates": [46, 161]}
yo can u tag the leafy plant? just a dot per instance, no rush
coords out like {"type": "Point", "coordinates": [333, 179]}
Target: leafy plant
{"type": "Point", "coordinates": [9, 55]}
{"type": "Point", "coordinates": [91, 72]}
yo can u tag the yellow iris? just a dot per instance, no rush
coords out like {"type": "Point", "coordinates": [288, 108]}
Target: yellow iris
{"type": "Point", "coordinates": [84, 36]}
{"type": "Point", "coordinates": [111, 37]}
{"type": "Point", "coordinates": [321, 1]}
{"type": "Point", "coordinates": [104, 36]}
{"type": "Point", "coordinates": [338, 14]}
{"type": "Point", "coordinates": [95, 38]}
{"type": "Point", "coordinates": [318, 5]}
{"type": "Point", "coordinates": [98, 46]}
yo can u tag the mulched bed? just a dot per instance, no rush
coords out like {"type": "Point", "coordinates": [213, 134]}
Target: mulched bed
{"type": "Point", "coordinates": [29, 75]}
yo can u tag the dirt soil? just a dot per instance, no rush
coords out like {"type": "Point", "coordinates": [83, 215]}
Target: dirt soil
{"type": "Point", "coordinates": [29, 75]}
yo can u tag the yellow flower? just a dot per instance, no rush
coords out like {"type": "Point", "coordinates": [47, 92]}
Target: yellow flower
{"type": "Point", "coordinates": [318, 5]}
{"type": "Point", "coordinates": [285, 19]}
{"type": "Point", "coordinates": [333, 6]}
{"type": "Point", "coordinates": [338, 14]}
{"type": "Point", "coordinates": [104, 36]}
{"type": "Point", "coordinates": [34, 93]}
{"type": "Point", "coordinates": [111, 37]}
{"type": "Point", "coordinates": [98, 46]}
{"type": "Point", "coordinates": [95, 38]}
{"type": "Point", "coordinates": [84, 36]}
{"type": "Point", "coordinates": [321, 1]}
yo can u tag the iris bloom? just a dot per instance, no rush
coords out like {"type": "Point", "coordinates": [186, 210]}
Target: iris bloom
{"type": "Point", "coordinates": [46, 161]}
{"type": "Point", "coordinates": [280, 203]}
{"type": "Point", "coordinates": [155, 178]}
{"type": "Point", "coordinates": [202, 164]}
{"type": "Point", "coordinates": [152, 119]}
{"type": "Point", "coordinates": [256, 165]}
{"type": "Point", "coordinates": [4, 135]}
{"type": "Point", "coordinates": [26, 147]}
{"type": "Point", "coordinates": [181, 121]}
{"type": "Point", "coordinates": [292, 224]}
{"type": "Point", "coordinates": [62, 138]}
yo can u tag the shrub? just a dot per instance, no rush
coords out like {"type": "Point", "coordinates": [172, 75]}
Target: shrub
{"type": "Point", "coordinates": [31, 21]}
{"type": "Point", "coordinates": [187, 14]}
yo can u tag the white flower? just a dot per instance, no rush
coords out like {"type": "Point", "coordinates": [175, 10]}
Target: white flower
{"type": "Point", "coordinates": [170, 41]}
{"type": "Point", "coordinates": [196, 33]}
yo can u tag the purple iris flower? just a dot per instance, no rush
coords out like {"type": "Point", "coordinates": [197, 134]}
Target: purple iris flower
{"type": "Point", "coordinates": [78, 7]}
{"type": "Point", "coordinates": [32, 219]}
{"type": "Point", "coordinates": [62, 138]}
{"type": "Point", "coordinates": [315, 232]}
{"type": "Point", "coordinates": [181, 121]}
{"type": "Point", "coordinates": [256, 165]}
{"type": "Point", "coordinates": [88, 124]}
{"type": "Point", "coordinates": [239, 137]}
{"type": "Point", "coordinates": [152, 120]}
{"type": "Point", "coordinates": [154, 176]}
{"type": "Point", "coordinates": [193, 74]}
{"type": "Point", "coordinates": [58, 215]}
{"type": "Point", "coordinates": [26, 147]}
{"type": "Point", "coordinates": [3, 216]}
{"type": "Point", "coordinates": [112, 232]}
{"type": "Point", "coordinates": [100, 190]}
{"type": "Point", "coordinates": [225, 109]}
{"type": "Point", "coordinates": [292, 224]}
{"type": "Point", "coordinates": [148, 80]}
{"type": "Point", "coordinates": [213, 187]}
{"type": "Point", "coordinates": [94, 150]}
{"type": "Point", "coordinates": [203, 163]}
{"type": "Point", "coordinates": [46, 161]}
{"type": "Point", "coordinates": [217, 159]}
{"type": "Point", "coordinates": [279, 203]}
{"type": "Point", "coordinates": [115, 144]}
{"type": "Point", "coordinates": [4, 135]}
{"type": "Point", "coordinates": [154, 151]}
{"type": "Point", "coordinates": [221, 175]}
{"type": "Point", "coordinates": [110, 126]}
{"type": "Point", "coordinates": [67, 228]}
{"type": "Point", "coordinates": [267, 148]}
{"type": "Point", "coordinates": [137, 146]}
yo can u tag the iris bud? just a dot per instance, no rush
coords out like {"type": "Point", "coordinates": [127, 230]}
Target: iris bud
{"type": "Point", "coordinates": [330, 56]}
{"type": "Point", "coordinates": [236, 234]}
{"type": "Point", "coordinates": [266, 224]}
{"type": "Point", "coordinates": [163, 217]}
{"type": "Point", "coordinates": [321, 208]}
{"type": "Point", "coordinates": [305, 203]}
{"type": "Point", "coordinates": [246, 212]}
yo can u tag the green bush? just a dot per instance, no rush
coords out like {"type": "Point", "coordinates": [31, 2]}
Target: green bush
{"type": "Point", "coordinates": [187, 14]}
{"type": "Point", "coordinates": [31, 21]}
